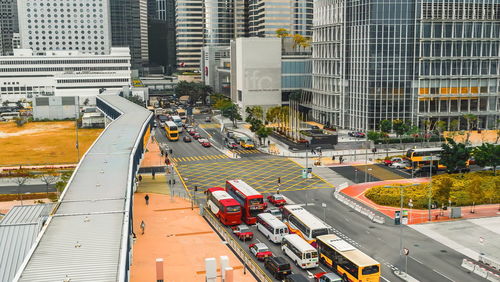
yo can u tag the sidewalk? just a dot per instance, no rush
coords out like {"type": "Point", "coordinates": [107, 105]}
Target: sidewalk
{"type": "Point", "coordinates": [416, 216]}
{"type": "Point", "coordinates": [180, 236]}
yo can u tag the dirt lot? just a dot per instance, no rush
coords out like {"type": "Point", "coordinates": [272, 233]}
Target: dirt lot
{"type": "Point", "coordinates": [43, 142]}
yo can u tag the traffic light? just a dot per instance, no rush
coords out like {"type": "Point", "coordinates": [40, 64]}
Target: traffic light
{"type": "Point", "coordinates": [170, 151]}
{"type": "Point", "coordinates": [279, 180]}
{"type": "Point", "coordinates": [196, 188]}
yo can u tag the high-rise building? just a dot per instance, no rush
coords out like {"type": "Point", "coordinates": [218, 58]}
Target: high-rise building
{"type": "Point", "coordinates": [161, 28]}
{"type": "Point", "coordinates": [129, 28]}
{"type": "Point", "coordinates": [224, 21]}
{"type": "Point", "coordinates": [411, 60]}
{"type": "Point", "coordinates": [8, 25]}
{"type": "Point", "coordinates": [189, 33]}
{"type": "Point", "coordinates": [266, 16]}
{"type": "Point", "coordinates": [46, 25]}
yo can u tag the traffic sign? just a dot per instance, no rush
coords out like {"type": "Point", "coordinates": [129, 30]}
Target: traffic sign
{"type": "Point", "coordinates": [406, 251]}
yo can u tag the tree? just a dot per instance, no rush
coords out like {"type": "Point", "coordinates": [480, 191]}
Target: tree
{"type": "Point", "coordinates": [413, 131]}
{"type": "Point", "coordinates": [373, 136]}
{"type": "Point", "coordinates": [137, 100]}
{"type": "Point", "coordinates": [5, 103]}
{"type": "Point", "coordinates": [471, 120]}
{"type": "Point", "coordinates": [487, 155]}
{"type": "Point", "coordinates": [63, 181]}
{"type": "Point", "coordinates": [385, 128]}
{"type": "Point", "coordinates": [442, 188]}
{"type": "Point", "coordinates": [454, 155]}
{"type": "Point", "coordinates": [440, 127]}
{"type": "Point", "coordinates": [301, 41]}
{"type": "Point", "coordinates": [255, 112]}
{"type": "Point", "coordinates": [195, 91]}
{"type": "Point", "coordinates": [263, 133]}
{"type": "Point", "coordinates": [475, 191]}
{"type": "Point", "coordinates": [282, 32]}
{"type": "Point", "coordinates": [400, 128]}
{"type": "Point", "coordinates": [86, 102]}
{"type": "Point", "coordinates": [22, 177]}
{"type": "Point", "coordinates": [232, 112]}
{"type": "Point", "coordinates": [48, 179]}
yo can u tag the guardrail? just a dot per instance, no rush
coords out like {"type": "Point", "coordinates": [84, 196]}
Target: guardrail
{"type": "Point", "coordinates": [358, 208]}
{"type": "Point", "coordinates": [248, 262]}
{"type": "Point", "coordinates": [480, 270]}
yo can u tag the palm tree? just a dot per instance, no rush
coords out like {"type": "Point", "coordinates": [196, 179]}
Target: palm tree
{"type": "Point", "coordinates": [282, 32]}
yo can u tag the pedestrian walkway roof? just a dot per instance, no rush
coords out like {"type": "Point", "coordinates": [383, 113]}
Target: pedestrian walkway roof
{"type": "Point", "coordinates": [87, 239]}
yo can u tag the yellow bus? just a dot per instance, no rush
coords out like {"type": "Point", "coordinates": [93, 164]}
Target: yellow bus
{"type": "Point", "coordinates": [172, 131]}
{"type": "Point", "coordinates": [305, 224]}
{"type": "Point", "coordinates": [351, 263]}
{"type": "Point", "coordinates": [421, 157]}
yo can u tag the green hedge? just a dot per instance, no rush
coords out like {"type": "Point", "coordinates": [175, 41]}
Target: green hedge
{"type": "Point", "coordinates": [463, 189]}
{"type": "Point", "coordinates": [408, 140]}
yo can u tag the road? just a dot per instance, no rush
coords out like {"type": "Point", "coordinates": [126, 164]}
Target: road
{"type": "Point", "coordinates": [428, 259]}
{"type": "Point", "coordinates": [37, 188]}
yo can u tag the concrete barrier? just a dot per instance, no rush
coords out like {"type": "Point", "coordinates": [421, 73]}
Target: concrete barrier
{"type": "Point", "coordinates": [493, 277]}
{"type": "Point", "coordinates": [469, 265]}
{"type": "Point", "coordinates": [489, 261]}
{"type": "Point", "coordinates": [483, 272]}
{"type": "Point", "coordinates": [358, 208]}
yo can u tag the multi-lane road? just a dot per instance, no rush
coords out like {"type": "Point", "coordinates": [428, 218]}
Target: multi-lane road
{"type": "Point", "coordinates": [428, 260]}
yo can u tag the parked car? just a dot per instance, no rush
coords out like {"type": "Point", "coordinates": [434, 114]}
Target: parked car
{"type": "Point", "coordinates": [491, 167]}
{"type": "Point", "coordinates": [260, 251]}
{"type": "Point", "coordinates": [204, 142]}
{"type": "Point", "coordinates": [276, 212]}
{"type": "Point", "coordinates": [278, 267]}
{"type": "Point", "coordinates": [230, 144]}
{"type": "Point", "coordinates": [243, 232]}
{"type": "Point", "coordinates": [247, 144]}
{"type": "Point", "coordinates": [296, 278]}
{"type": "Point", "coordinates": [196, 136]}
{"type": "Point", "coordinates": [276, 199]}
{"type": "Point", "coordinates": [327, 277]}
{"type": "Point", "coordinates": [186, 139]}
{"type": "Point", "coordinates": [393, 160]}
{"type": "Point", "coordinates": [356, 134]}
{"type": "Point", "coordinates": [192, 132]}
{"type": "Point", "coordinates": [401, 164]}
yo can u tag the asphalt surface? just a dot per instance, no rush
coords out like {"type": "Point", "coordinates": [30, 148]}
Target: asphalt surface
{"type": "Point", "coordinates": [429, 260]}
{"type": "Point", "coordinates": [26, 189]}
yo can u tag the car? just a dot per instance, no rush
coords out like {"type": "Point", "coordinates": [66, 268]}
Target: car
{"type": "Point", "coordinates": [327, 277]}
{"type": "Point", "coordinates": [189, 127]}
{"type": "Point", "coordinates": [356, 134]}
{"type": "Point", "coordinates": [186, 139]}
{"type": "Point", "coordinates": [230, 135]}
{"type": "Point", "coordinates": [491, 167]}
{"type": "Point", "coordinates": [208, 119]}
{"type": "Point", "coordinates": [278, 267]}
{"type": "Point", "coordinates": [243, 232]}
{"type": "Point", "coordinates": [393, 160]}
{"type": "Point", "coordinates": [276, 212]}
{"type": "Point", "coordinates": [230, 144]}
{"type": "Point", "coordinates": [192, 132]}
{"type": "Point", "coordinates": [247, 144]}
{"type": "Point", "coordinates": [260, 251]}
{"type": "Point", "coordinates": [196, 136]}
{"type": "Point", "coordinates": [276, 199]}
{"type": "Point", "coordinates": [402, 164]}
{"type": "Point", "coordinates": [425, 170]}
{"type": "Point", "coordinates": [204, 142]}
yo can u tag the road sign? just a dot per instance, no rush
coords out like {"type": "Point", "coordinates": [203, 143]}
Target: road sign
{"type": "Point", "coordinates": [481, 240]}
{"type": "Point", "coordinates": [323, 205]}
{"type": "Point", "coordinates": [406, 251]}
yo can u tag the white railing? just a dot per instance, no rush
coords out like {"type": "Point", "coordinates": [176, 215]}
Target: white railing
{"type": "Point", "coordinates": [358, 208]}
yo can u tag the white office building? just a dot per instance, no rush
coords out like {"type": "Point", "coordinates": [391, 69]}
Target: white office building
{"type": "Point", "coordinates": [81, 25]}
{"type": "Point", "coordinates": [62, 73]}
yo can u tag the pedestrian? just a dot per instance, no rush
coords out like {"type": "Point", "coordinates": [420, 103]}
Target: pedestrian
{"type": "Point", "coordinates": [140, 178]}
{"type": "Point", "coordinates": [341, 159]}
{"type": "Point", "coordinates": [143, 227]}
{"type": "Point", "coordinates": [147, 199]}
{"type": "Point", "coordinates": [153, 174]}
{"type": "Point", "coordinates": [333, 158]}
{"type": "Point", "coordinates": [268, 143]}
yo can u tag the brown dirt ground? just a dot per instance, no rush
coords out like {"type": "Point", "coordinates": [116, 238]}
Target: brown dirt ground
{"type": "Point", "coordinates": [43, 142]}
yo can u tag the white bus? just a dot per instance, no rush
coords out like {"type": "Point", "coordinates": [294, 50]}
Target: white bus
{"type": "Point", "coordinates": [300, 251]}
{"type": "Point", "coordinates": [304, 224]}
{"type": "Point", "coordinates": [9, 115]}
{"type": "Point", "coordinates": [178, 121]}
{"type": "Point", "coordinates": [273, 228]}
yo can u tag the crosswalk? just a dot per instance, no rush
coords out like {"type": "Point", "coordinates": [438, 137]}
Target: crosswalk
{"type": "Point", "coordinates": [199, 158]}
{"type": "Point", "coordinates": [243, 151]}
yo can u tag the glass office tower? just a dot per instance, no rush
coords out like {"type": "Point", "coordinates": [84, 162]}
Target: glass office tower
{"type": "Point", "coordinates": [404, 59]}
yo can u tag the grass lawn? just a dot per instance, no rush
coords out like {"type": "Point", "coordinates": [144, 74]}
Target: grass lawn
{"type": "Point", "coordinates": [43, 142]}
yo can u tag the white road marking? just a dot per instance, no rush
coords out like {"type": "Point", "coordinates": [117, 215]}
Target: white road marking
{"type": "Point", "coordinates": [384, 278]}
{"type": "Point", "coordinates": [347, 220]}
{"type": "Point", "coordinates": [416, 260]}
{"type": "Point", "coordinates": [309, 274]}
{"type": "Point", "coordinates": [443, 275]}
{"type": "Point", "coordinates": [322, 269]}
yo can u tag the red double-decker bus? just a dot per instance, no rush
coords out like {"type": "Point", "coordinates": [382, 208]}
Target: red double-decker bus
{"type": "Point", "coordinates": [251, 201]}
{"type": "Point", "coordinates": [223, 206]}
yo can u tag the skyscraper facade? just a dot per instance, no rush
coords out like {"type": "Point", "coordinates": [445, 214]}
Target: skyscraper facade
{"type": "Point", "coordinates": [224, 21]}
{"type": "Point", "coordinates": [161, 29]}
{"type": "Point", "coordinates": [189, 33]}
{"type": "Point", "coordinates": [46, 25]}
{"type": "Point", "coordinates": [129, 28]}
{"type": "Point", "coordinates": [412, 60]}
{"type": "Point", "coordinates": [266, 16]}
{"type": "Point", "coordinates": [8, 25]}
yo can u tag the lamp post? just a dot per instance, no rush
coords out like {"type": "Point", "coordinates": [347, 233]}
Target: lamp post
{"type": "Point", "coordinates": [430, 190]}
{"type": "Point", "coordinates": [402, 187]}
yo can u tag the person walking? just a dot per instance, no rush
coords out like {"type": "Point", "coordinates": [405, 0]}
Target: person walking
{"type": "Point", "coordinates": [153, 172]}
{"type": "Point", "coordinates": [143, 227]}
{"type": "Point", "coordinates": [147, 199]}
{"type": "Point", "coordinates": [140, 178]}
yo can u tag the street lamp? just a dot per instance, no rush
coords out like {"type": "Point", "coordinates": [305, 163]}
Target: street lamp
{"type": "Point", "coordinates": [402, 187]}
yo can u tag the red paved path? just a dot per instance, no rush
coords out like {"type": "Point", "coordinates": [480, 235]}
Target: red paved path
{"type": "Point", "coordinates": [357, 192]}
